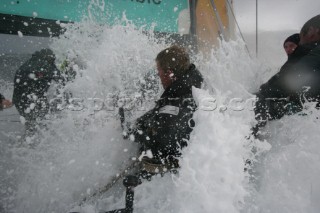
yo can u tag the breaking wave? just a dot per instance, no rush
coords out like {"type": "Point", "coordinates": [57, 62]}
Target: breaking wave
{"type": "Point", "coordinates": [78, 149]}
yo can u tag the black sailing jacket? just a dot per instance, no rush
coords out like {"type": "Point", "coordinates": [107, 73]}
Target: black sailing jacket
{"type": "Point", "coordinates": [298, 80]}
{"type": "Point", "coordinates": [32, 81]}
{"type": "Point", "coordinates": [165, 129]}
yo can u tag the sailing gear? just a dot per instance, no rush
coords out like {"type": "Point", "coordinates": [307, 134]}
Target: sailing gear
{"type": "Point", "coordinates": [31, 83]}
{"type": "Point", "coordinates": [165, 129]}
{"type": "Point", "coordinates": [297, 81]}
{"type": "Point", "coordinates": [295, 38]}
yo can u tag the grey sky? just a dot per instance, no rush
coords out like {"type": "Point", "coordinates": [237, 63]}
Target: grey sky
{"type": "Point", "coordinates": [277, 19]}
{"type": "Point", "coordinates": [275, 15]}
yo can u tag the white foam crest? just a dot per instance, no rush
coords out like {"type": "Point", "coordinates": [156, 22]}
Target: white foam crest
{"type": "Point", "coordinates": [230, 69]}
{"type": "Point", "coordinates": [71, 162]}
{"type": "Point", "coordinates": [114, 56]}
{"type": "Point", "coordinates": [212, 177]}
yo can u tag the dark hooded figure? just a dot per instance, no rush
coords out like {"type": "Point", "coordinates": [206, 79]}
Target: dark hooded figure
{"type": "Point", "coordinates": [31, 83]}
{"type": "Point", "coordinates": [291, 43]}
{"type": "Point", "coordinates": [165, 129]}
{"type": "Point", "coordinates": [297, 81]}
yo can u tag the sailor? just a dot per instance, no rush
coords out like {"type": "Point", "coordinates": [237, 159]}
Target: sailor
{"type": "Point", "coordinates": [298, 80]}
{"type": "Point", "coordinates": [165, 130]}
{"type": "Point", "coordinates": [291, 43]}
{"type": "Point", "coordinates": [31, 83]}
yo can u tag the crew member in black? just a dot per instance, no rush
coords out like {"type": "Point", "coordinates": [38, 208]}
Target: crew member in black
{"type": "Point", "coordinates": [165, 129]}
{"type": "Point", "coordinates": [297, 81]}
{"type": "Point", "coordinates": [291, 43]}
{"type": "Point", "coordinates": [31, 83]}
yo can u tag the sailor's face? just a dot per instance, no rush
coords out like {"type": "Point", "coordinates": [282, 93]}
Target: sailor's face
{"type": "Point", "coordinates": [164, 77]}
{"type": "Point", "coordinates": [289, 47]}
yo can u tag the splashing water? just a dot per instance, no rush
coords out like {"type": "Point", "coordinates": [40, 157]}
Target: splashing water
{"type": "Point", "coordinates": [79, 150]}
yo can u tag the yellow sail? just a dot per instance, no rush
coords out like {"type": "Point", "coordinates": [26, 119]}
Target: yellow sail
{"type": "Point", "coordinates": [213, 21]}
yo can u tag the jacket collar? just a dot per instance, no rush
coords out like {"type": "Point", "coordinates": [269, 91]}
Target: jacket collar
{"type": "Point", "coordinates": [303, 50]}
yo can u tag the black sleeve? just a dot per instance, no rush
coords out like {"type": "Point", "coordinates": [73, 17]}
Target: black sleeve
{"type": "Point", "coordinates": [142, 127]}
{"type": "Point", "coordinates": [306, 76]}
{"type": "Point", "coordinates": [267, 107]}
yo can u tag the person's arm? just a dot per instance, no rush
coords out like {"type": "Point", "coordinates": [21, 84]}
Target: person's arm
{"type": "Point", "coordinates": [269, 99]}
{"type": "Point", "coordinates": [141, 128]}
{"type": "Point", "coordinates": [305, 76]}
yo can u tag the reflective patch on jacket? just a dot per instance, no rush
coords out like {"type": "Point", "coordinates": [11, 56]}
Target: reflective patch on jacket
{"type": "Point", "coordinates": [169, 109]}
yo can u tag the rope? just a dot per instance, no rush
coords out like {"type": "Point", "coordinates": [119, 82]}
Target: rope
{"type": "Point", "coordinates": [218, 20]}
{"type": "Point", "coordinates": [245, 43]}
{"type": "Point", "coordinates": [111, 183]}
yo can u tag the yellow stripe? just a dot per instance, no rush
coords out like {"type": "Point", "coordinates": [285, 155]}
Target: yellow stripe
{"type": "Point", "coordinates": [208, 25]}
